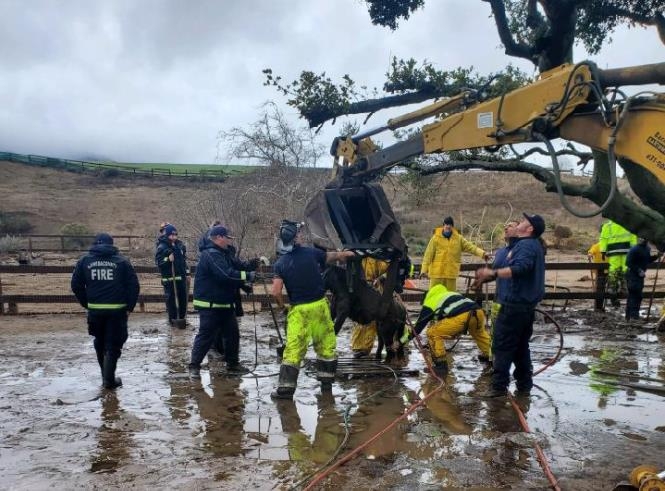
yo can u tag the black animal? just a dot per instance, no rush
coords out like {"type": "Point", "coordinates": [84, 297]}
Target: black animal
{"type": "Point", "coordinates": [355, 299]}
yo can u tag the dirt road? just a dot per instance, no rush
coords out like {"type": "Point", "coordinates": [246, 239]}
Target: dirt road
{"type": "Point", "coordinates": [163, 430]}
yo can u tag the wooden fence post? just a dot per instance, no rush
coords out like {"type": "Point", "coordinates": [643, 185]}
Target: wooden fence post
{"type": "Point", "coordinates": [601, 285]}
{"type": "Point", "coordinates": [62, 244]}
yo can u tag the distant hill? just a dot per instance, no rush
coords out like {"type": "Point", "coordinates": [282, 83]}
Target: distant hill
{"type": "Point", "coordinates": [478, 201]}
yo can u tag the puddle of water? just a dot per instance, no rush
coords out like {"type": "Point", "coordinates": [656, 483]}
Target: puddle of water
{"type": "Point", "coordinates": [164, 430]}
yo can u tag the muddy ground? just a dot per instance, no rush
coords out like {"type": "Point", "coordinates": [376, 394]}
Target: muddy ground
{"type": "Point", "coordinates": [59, 429]}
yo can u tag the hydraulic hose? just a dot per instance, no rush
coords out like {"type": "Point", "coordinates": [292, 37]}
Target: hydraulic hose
{"type": "Point", "coordinates": [557, 177]}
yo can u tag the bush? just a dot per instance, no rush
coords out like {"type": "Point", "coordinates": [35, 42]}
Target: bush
{"type": "Point", "coordinates": [72, 231]}
{"type": "Point", "coordinates": [562, 232]}
{"type": "Point", "coordinates": [12, 223]}
{"type": "Point", "coordinates": [561, 235]}
{"type": "Point", "coordinates": [9, 243]}
{"type": "Point", "coordinates": [107, 173]}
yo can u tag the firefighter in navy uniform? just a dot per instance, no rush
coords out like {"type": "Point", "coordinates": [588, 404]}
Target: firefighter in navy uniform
{"type": "Point", "coordinates": [216, 284]}
{"type": "Point", "coordinates": [240, 265]}
{"type": "Point", "coordinates": [171, 259]}
{"type": "Point", "coordinates": [105, 283]}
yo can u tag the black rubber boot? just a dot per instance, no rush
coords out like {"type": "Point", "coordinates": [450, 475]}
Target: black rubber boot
{"type": "Point", "coordinates": [325, 373]}
{"type": "Point", "coordinates": [194, 371]}
{"type": "Point", "coordinates": [440, 368]}
{"type": "Point", "coordinates": [100, 360]}
{"type": "Point", "coordinates": [110, 380]}
{"type": "Point", "coordinates": [286, 385]}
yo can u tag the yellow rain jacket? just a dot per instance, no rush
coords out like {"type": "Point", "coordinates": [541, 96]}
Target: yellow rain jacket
{"type": "Point", "coordinates": [595, 253]}
{"type": "Point", "coordinates": [443, 257]}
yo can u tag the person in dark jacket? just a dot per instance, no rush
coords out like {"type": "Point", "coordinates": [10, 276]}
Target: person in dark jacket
{"type": "Point", "coordinates": [251, 265]}
{"type": "Point", "coordinates": [171, 259]}
{"type": "Point", "coordinates": [637, 261]}
{"type": "Point", "coordinates": [215, 293]}
{"type": "Point", "coordinates": [105, 284]}
{"type": "Point", "coordinates": [520, 279]}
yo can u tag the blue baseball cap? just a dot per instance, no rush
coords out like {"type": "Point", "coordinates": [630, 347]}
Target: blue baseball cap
{"type": "Point", "coordinates": [221, 231]}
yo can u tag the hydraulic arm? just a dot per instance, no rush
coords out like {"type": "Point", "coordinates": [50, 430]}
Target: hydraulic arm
{"type": "Point", "coordinates": [569, 102]}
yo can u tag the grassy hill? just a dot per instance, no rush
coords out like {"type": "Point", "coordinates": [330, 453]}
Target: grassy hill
{"type": "Point", "coordinates": [480, 202]}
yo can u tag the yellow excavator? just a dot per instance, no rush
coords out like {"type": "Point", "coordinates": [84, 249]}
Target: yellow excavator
{"type": "Point", "coordinates": [568, 102]}
{"type": "Point", "coordinates": [575, 102]}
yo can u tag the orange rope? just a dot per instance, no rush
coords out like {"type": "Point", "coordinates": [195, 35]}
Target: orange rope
{"type": "Point", "coordinates": [542, 460]}
{"type": "Point", "coordinates": [540, 455]}
{"type": "Point", "coordinates": [323, 474]}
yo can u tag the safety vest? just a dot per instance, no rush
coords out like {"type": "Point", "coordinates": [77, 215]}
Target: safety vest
{"type": "Point", "coordinates": [445, 303]}
{"type": "Point", "coordinates": [616, 240]}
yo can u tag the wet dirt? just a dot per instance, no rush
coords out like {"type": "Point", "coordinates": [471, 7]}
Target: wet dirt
{"type": "Point", "coordinates": [597, 413]}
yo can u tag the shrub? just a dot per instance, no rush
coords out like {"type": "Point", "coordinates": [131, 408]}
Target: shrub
{"type": "Point", "coordinates": [72, 231]}
{"type": "Point", "coordinates": [561, 234]}
{"type": "Point", "coordinates": [9, 243]}
{"type": "Point", "coordinates": [12, 223]}
{"type": "Point", "coordinates": [107, 173]}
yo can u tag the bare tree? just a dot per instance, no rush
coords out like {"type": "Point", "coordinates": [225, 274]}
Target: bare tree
{"type": "Point", "coordinates": [271, 141]}
{"type": "Point", "coordinates": [252, 204]}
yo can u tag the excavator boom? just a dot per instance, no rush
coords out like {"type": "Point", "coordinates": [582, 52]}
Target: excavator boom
{"type": "Point", "coordinates": [567, 102]}
{"type": "Point", "coordinates": [579, 103]}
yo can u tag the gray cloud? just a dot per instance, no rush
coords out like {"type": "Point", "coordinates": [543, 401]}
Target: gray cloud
{"type": "Point", "coordinates": [155, 80]}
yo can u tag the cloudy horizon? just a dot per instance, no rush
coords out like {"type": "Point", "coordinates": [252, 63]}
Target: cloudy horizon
{"type": "Point", "coordinates": [157, 80]}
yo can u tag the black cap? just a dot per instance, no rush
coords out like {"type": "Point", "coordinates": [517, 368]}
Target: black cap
{"type": "Point", "coordinates": [537, 223]}
{"type": "Point", "coordinates": [103, 238]}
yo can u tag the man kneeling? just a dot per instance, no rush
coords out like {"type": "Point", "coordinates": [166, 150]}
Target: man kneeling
{"type": "Point", "coordinates": [451, 314]}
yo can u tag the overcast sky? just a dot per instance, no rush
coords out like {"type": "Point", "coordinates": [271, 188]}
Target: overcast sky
{"type": "Point", "coordinates": [156, 80]}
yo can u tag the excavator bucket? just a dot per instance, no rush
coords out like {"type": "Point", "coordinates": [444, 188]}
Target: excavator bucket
{"type": "Point", "coordinates": [355, 217]}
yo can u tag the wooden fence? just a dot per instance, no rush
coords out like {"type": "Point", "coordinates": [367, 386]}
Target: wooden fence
{"type": "Point", "coordinates": [111, 169]}
{"type": "Point", "coordinates": [32, 243]}
{"type": "Point", "coordinates": [555, 294]}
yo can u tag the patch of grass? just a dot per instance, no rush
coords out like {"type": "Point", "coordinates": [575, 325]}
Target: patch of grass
{"type": "Point", "coordinates": [190, 168]}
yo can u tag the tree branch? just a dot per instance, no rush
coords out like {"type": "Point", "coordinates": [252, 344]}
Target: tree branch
{"type": "Point", "coordinates": [621, 209]}
{"type": "Point", "coordinates": [319, 116]}
{"type": "Point", "coordinates": [512, 47]}
{"type": "Point", "coordinates": [612, 10]}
